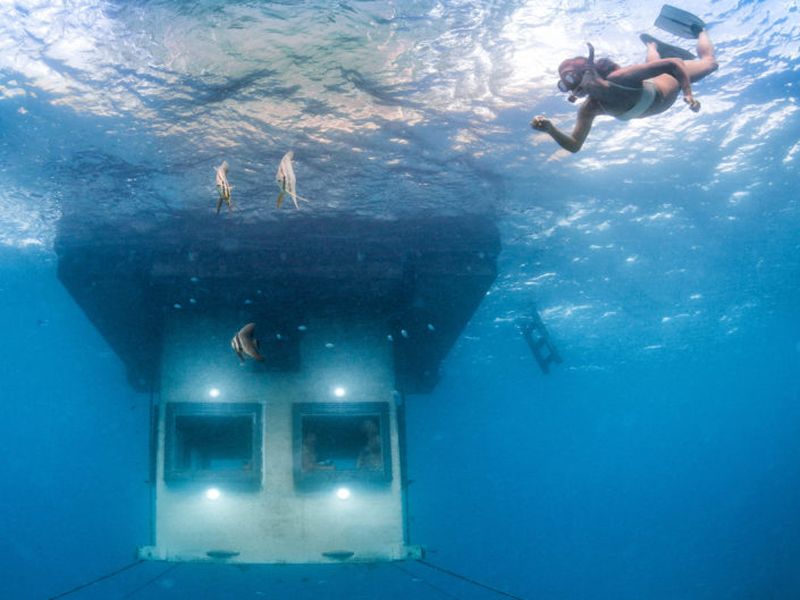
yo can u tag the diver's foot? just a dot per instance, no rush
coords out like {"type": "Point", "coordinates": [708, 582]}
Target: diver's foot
{"type": "Point", "coordinates": [667, 50]}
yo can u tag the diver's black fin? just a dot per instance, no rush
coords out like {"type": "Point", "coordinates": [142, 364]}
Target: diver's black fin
{"type": "Point", "coordinates": [667, 50]}
{"type": "Point", "coordinates": [679, 22]}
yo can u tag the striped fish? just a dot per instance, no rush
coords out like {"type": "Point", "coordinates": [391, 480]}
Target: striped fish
{"type": "Point", "coordinates": [244, 343]}
{"type": "Point", "coordinates": [223, 187]}
{"type": "Point", "coordinates": [287, 181]}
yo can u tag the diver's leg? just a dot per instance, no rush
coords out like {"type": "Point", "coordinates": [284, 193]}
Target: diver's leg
{"type": "Point", "coordinates": [705, 49]}
{"type": "Point", "coordinates": [706, 63]}
{"type": "Point", "coordinates": [656, 49]}
{"type": "Point", "coordinates": [652, 52]}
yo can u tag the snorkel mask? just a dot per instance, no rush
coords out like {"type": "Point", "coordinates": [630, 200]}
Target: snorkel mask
{"type": "Point", "coordinates": [571, 80]}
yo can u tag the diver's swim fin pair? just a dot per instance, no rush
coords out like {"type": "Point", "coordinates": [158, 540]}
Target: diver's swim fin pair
{"type": "Point", "coordinates": [678, 22]}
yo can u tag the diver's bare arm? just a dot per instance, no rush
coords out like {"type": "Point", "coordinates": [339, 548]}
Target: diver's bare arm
{"type": "Point", "coordinates": [583, 125]}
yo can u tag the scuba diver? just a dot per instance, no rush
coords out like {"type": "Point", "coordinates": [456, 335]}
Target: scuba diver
{"type": "Point", "coordinates": [637, 91]}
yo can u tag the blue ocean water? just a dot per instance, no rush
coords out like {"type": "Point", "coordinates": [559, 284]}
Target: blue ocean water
{"type": "Point", "coordinates": [659, 460]}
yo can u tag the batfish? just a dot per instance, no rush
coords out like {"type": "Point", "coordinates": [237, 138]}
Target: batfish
{"type": "Point", "coordinates": [244, 343]}
{"type": "Point", "coordinates": [287, 181]}
{"type": "Point", "coordinates": [223, 187]}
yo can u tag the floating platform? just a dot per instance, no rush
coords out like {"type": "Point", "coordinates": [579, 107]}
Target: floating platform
{"type": "Point", "coordinates": [422, 277]}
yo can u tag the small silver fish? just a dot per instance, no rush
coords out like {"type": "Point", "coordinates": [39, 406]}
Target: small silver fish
{"type": "Point", "coordinates": [223, 187]}
{"type": "Point", "coordinates": [244, 343]}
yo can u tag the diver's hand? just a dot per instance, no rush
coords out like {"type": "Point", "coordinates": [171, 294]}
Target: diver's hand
{"type": "Point", "coordinates": [541, 123]}
{"type": "Point", "coordinates": [694, 105]}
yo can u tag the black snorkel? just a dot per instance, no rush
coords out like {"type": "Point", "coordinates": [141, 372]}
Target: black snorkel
{"type": "Point", "coordinates": [590, 71]}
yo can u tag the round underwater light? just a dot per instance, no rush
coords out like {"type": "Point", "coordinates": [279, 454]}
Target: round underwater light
{"type": "Point", "coordinates": [214, 392]}
{"type": "Point", "coordinates": [343, 493]}
{"type": "Point", "coordinates": [339, 392]}
{"type": "Point", "coordinates": [213, 493]}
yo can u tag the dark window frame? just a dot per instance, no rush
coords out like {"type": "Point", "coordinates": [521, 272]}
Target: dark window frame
{"type": "Point", "coordinates": [173, 474]}
{"type": "Point", "coordinates": [324, 479]}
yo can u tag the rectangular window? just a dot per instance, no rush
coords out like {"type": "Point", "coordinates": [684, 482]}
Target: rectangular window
{"type": "Point", "coordinates": [343, 443]}
{"type": "Point", "coordinates": [213, 443]}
